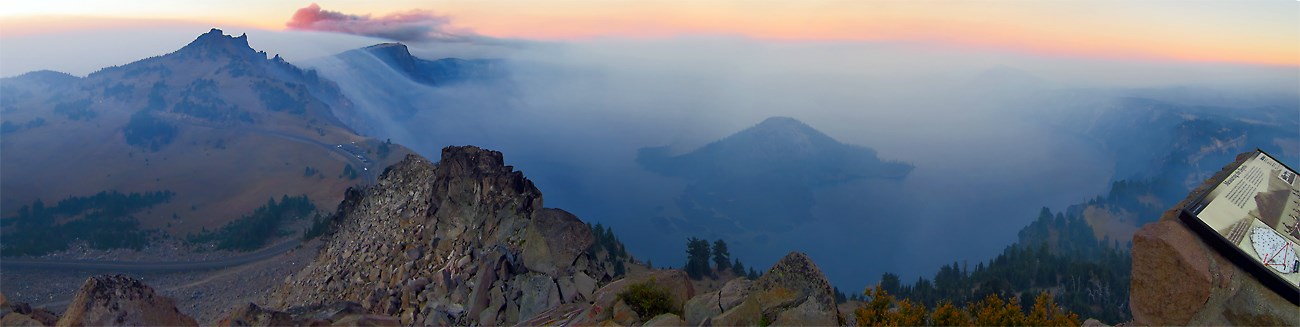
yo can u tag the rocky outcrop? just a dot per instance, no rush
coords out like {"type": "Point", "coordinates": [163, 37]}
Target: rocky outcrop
{"type": "Point", "coordinates": [465, 241]}
{"type": "Point", "coordinates": [254, 315]}
{"type": "Point", "coordinates": [116, 300]}
{"type": "Point", "coordinates": [793, 292]}
{"type": "Point", "coordinates": [606, 306]}
{"type": "Point", "coordinates": [336, 314]}
{"type": "Point", "coordinates": [711, 304]}
{"type": "Point", "coordinates": [1179, 279]}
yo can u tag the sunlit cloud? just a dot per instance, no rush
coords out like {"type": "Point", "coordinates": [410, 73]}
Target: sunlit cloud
{"type": "Point", "coordinates": [411, 25]}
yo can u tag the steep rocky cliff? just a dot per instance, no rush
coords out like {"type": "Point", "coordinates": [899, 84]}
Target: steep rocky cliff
{"type": "Point", "coordinates": [1179, 279]}
{"type": "Point", "coordinates": [463, 241]}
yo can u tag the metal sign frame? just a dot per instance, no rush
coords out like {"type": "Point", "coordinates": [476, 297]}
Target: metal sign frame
{"type": "Point", "coordinates": [1191, 215]}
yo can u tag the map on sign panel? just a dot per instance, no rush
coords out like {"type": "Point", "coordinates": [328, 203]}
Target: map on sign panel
{"type": "Point", "coordinates": [1278, 253]}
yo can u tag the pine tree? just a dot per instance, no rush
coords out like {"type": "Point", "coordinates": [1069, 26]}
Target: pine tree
{"type": "Point", "coordinates": [721, 257]}
{"type": "Point", "coordinates": [697, 258]}
{"type": "Point", "coordinates": [739, 268]}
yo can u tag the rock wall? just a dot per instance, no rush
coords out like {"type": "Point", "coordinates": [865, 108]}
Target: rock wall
{"type": "Point", "coordinates": [1179, 279]}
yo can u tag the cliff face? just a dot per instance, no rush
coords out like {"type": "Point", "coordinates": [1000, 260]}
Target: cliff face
{"type": "Point", "coordinates": [465, 241]}
{"type": "Point", "coordinates": [1179, 279]}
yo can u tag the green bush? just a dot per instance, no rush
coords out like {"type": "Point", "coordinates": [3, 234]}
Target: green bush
{"type": "Point", "coordinates": [648, 299]}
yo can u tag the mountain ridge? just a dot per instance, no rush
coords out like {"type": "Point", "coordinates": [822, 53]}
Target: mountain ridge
{"type": "Point", "coordinates": [215, 122]}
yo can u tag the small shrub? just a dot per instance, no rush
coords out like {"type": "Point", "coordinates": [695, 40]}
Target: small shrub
{"type": "Point", "coordinates": [648, 299]}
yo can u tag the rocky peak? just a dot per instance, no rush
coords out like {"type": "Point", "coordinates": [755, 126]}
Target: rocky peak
{"type": "Point", "coordinates": [216, 43]}
{"type": "Point", "coordinates": [399, 57]}
{"type": "Point", "coordinates": [472, 161]}
{"type": "Point", "coordinates": [787, 135]}
{"type": "Point", "coordinates": [118, 300]}
{"type": "Point", "coordinates": [395, 53]}
{"type": "Point", "coordinates": [465, 241]}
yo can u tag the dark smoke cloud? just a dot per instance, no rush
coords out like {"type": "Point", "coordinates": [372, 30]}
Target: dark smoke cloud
{"type": "Point", "coordinates": [413, 25]}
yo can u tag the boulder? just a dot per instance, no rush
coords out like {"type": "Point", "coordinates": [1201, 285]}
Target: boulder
{"type": "Point", "coordinates": [365, 320]}
{"type": "Point", "coordinates": [797, 272]}
{"type": "Point", "coordinates": [747, 313]}
{"type": "Point", "coordinates": [318, 315]}
{"type": "Point", "coordinates": [118, 300]}
{"type": "Point", "coordinates": [18, 319]}
{"type": "Point", "coordinates": [734, 292]}
{"type": "Point", "coordinates": [793, 292]}
{"type": "Point", "coordinates": [701, 308]}
{"type": "Point", "coordinates": [1180, 279]}
{"type": "Point", "coordinates": [808, 313]}
{"type": "Point", "coordinates": [539, 292]}
{"type": "Point", "coordinates": [584, 285]}
{"type": "Point", "coordinates": [623, 314]}
{"type": "Point", "coordinates": [553, 240]}
{"type": "Point", "coordinates": [708, 305]}
{"type": "Point", "coordinates": [254, 315]}
{"type": "Point", "coordinates": [666, 319]}
{"type": "Point", "coordinates": [556, 316]}
{"type": "Point", "coordinates": [568, 290]}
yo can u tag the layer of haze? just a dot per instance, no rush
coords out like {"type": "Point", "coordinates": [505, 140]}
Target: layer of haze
{"type": "Point", "coordinates": [572, 116]}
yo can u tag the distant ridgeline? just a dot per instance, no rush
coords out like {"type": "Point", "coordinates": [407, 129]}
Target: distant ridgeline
{"type": "Point", "coordinates": [1081, 255]}
{"type": "Point", "coordinates": [102, 220]}
{"type": "Point", "coordinates": [763, 178]}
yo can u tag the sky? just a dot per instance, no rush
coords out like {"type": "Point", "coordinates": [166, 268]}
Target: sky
{"type": "Point", "coordinates": [1252, 32]}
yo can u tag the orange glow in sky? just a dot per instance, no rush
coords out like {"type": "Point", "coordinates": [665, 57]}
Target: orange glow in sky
{"type": "Point", "coordinates": [1256, 32]}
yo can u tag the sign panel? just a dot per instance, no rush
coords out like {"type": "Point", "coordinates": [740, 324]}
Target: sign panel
{"type": "Point", "coordinates": [1252, 214]}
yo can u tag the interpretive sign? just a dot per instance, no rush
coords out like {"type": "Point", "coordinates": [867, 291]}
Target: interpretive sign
{"type": "Point", "coordinates": [1252, 216]}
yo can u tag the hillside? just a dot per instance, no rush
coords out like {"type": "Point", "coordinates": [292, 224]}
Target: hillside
{"type": "Point", "coordinates": [1181, 146]}
{"type": "Point", "coordinates": [389, 85]}
{"type": "Point", "coordinates": [218, 124]}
